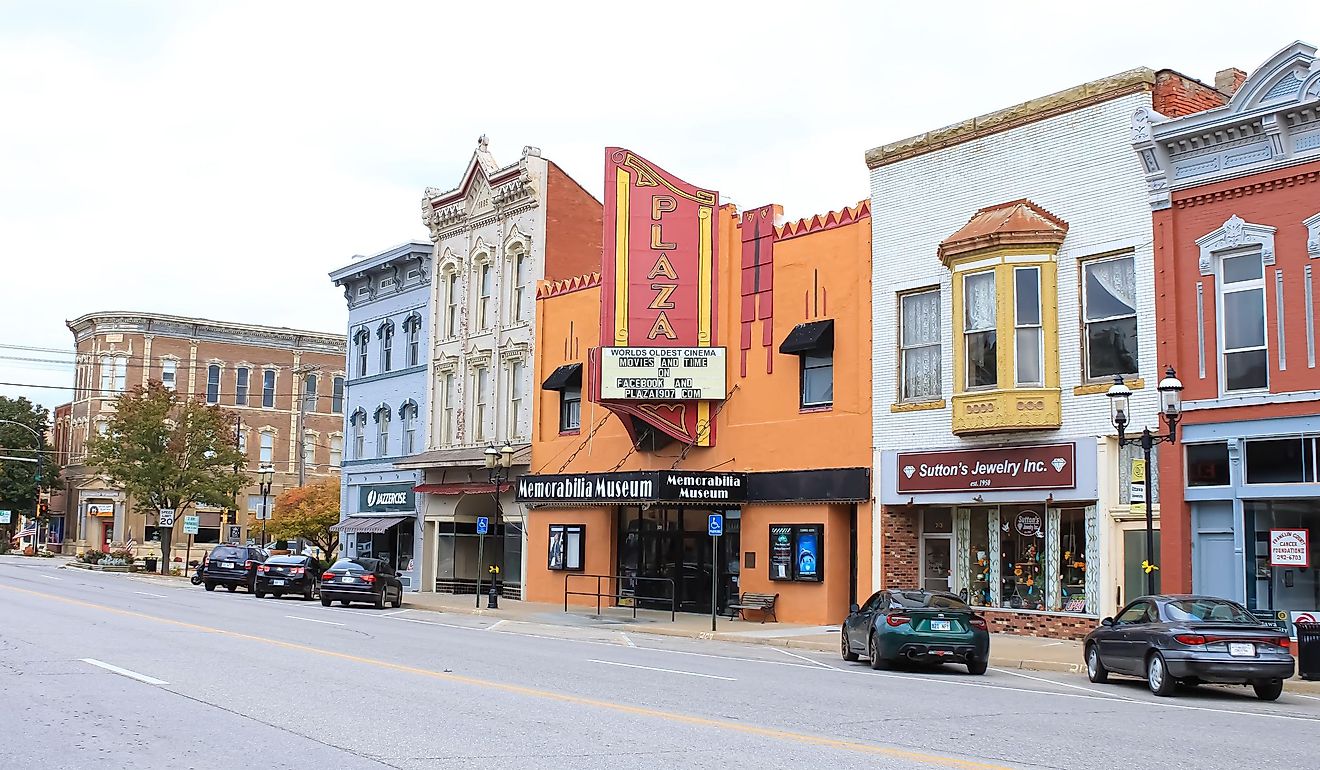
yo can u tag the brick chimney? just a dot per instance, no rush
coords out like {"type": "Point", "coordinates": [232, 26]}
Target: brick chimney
{"type": "Point", "coordinates": [1230, 80]}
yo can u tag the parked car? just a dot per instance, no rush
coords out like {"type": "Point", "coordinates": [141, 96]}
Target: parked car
{"type": "Point", "coordinates": [1172, 640]}
{"type": "Point", "coordinates": [916, 625]}
{"type": "Point", "coordinates": [288, 574]}
{"type": "Point", "coordinates": [231, 566]}
{"type": "Point", "coordinates": [361, 580]}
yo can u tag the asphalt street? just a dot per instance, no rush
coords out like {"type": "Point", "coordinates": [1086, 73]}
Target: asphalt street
{"type": "Point", "coordinates": [118, 671]}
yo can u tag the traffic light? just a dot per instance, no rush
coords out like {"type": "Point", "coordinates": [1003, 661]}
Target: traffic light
{"type": "Point", "coordinates": [43, 508]}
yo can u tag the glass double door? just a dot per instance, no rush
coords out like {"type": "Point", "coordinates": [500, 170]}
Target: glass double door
{"type": "Point", "coordinates": [657, 546]}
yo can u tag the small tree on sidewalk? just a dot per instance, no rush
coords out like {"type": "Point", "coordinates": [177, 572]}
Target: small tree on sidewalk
{"type": "Point", "coordinates": [169, 452]}
{"type": "Point", "coordinates": [308, 512]}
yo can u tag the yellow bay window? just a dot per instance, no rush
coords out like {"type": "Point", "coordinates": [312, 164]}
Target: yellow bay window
{"type": "Point", "coordinates": [1005, 314]}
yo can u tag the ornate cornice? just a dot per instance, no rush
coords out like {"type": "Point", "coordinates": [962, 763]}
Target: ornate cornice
{"type": "Point", "coordinates": [202, 329]}
{"type": "Point", "coordinates": [553, 288]}
{"type": "Point", "coordinates": [496, 187]}
{"type": "Point", "coordinates": [1250, 188]}
{"type": "Point", "coordinates": [1233, 234]}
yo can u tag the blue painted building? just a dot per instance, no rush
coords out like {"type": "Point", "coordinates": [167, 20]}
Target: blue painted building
{"type": "Point", "coordinates": [385, 415]}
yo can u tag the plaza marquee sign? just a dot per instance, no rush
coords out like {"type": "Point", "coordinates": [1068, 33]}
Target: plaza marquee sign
{"type": "Point", "coordinates": [663, 374]}
{"type": "Point", "coordinates": [1045, 466]}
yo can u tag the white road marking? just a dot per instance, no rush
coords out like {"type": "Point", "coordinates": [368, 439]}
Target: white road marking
{"type": "Point", "coordinates": [496, 625]}
{"type": "Point", "coordinates": [626, 640]}
{"type": "Point", "coordinates": [1065, 684]}
{"type": "Point", "coordinates": [124, 672]}
{"type": "Point", "coordinates": [51, 577]}
{"type": "Point", "coordinates": [144, 593]}
{"type": "Point", "coordinates": [662, 670]}
{"type": "Point", "coordinates": [804, 657]}
{"type": "Point", "coordinates": [313, 620]}
{"type": "Point", "coordinates": [396, 612]}
{"type": "Point", "coordinates": [1308, 697]}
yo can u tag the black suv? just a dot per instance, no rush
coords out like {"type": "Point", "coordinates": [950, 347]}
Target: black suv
{"type": "Point", "coordinates": [232, 566]}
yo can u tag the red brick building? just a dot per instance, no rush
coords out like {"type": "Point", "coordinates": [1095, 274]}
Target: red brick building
{"type": "Point", "coordinates": [1236, 198]}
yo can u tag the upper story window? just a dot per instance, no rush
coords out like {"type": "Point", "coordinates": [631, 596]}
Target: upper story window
{"type": "Point", "coordinates": [412, 327]}
{"type": "Point", "coordinates": [242, 442]}
{"type": "Point", "coordinates": [408, 413]}
{"type": "Point", "coordinates": [267, 455]}
{"type": "Point", "coordinates": [309, 393]}
{"type": "Point", "coordinates": [241, 376]}
{"type": "Point", "coordinates": [309, 448]}
{"type": "Point", "coordinates": [1027, 332]}
{"type": "Point", "coordinates": [919, 345]}
{"type": "Point", "coordinates": [813, 344]}
{"type": "Point", "coordinates": [980, 330]}
{"type": "Point", "coordinates": [515, 398]}
{"type": "Point", "coordinates": [481, 397]}
{"type": "Point", "coordinates": [107, 375]}
{"type": "Point", "coordinates": [451, 304]}
{"type": "Point", "coordinates": [169, 369]}
{"type": "Point", "coordinates": [1242, 322]}
{"type": "Point", "coordinates": [520, 274]}
{"type": "Point", "coordinates": [336, 451]}
{"type": "Point", "coordinates": [213, 384]}
{"type": "Point", "coordinates": [121, 373]}
{"type": "Point", "coordinates": [337, 396]}
{"type": "Point", "coordinates": [817, 380]}
{"type": "Point", "coordinates": [447, 409]}
{"type": "Point", "coordinates": [382, 431]}
{"type": "Point", "coordinates": [268, 389]}
{"type": "Point", "coordinates": [360, 339]}
{"type": "Point", "coordinates": [357, 425]}
{"type": "Point", "coordinates": [484, 285]}
{"type": "Point", "coordinates": [1109, 312]}
{"type": "Point", "coordinates": [570, 408]}
{"type": "Point", "coordinates": [386, 334]}
{"type": "Point", "coordinates": [1292, 460]}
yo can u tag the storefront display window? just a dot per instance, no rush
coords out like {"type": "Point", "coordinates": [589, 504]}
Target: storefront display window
{"type": "Point", "coordinates": [1277, 581]}
{"type": "Point", "coordinates": [1282, 461]}
{"type": "Point", "coordinates": [1072, 560]}
{"type": "Point", "coordinates": [566, 546]}
{"type": "Point", "coordinates": [980, 576]}
{"type": "Point", "coordinates": [796, 552]}
{"type": "Point", "coordinates": [1021, 546]}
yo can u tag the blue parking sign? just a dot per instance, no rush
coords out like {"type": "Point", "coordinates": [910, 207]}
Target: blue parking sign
{"type": "Point", "coordinates": [715, 525]}
{"type": "Point", "coordinates": [483, 525]}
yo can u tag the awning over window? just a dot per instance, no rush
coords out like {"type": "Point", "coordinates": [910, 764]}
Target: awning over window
{"type": "Point", "coordinates": [564, 376]}
{"type": "Point", "coordinates": [813, 337]}
{"type": "Point", "coordinates": [368, 524]}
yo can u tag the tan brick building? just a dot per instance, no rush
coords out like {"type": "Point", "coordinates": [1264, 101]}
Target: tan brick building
{"type": "Point", "coordinates": [260, 374]}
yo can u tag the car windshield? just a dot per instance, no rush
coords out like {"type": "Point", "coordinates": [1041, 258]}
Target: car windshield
{"type": "Point", "coordinates": [1207, 610]}
{"type": "Point", "coordinates": [354, 565]}
{"type": "Point", "coordinates": [296, 560]}
{"type": "Point", "coordinates": [227, 553]}
{"type": "Point", "coordinates": [917, 599]}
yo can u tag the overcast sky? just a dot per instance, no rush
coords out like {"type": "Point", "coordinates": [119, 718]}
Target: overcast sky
{"type": "Point", "coordinates": [219, 159]}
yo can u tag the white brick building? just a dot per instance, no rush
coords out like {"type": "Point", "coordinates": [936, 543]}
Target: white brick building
{"type": "Point", "coordinates": [1067, 155]}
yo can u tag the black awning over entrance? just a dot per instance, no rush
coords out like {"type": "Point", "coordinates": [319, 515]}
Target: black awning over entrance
{"type": "Point", "coordinates": [834, 485]}
{"type": "Point", "coordinates": [813, 337]}
{"type": "Point", "coordinates": [368, 524]}
{"type": "Point", "coordinates": [564, 376]}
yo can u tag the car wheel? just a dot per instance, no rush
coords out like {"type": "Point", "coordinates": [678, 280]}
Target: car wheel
{"type": "Point", "coordinates": [325, 602]}
{"type": "Point", "coordinates": [231, 588]}
{"type": "Point", "coordinates": [398, 599]}
{"type": "Point", "coordinates": [1268, 689]}
{"type": "Point", "coordinates": [845, 649]}
{"type": "Point", "coordinates": [1157, 676]}
{"type": "Point", "coordinates": [259, 594]}
{"type": "Point", "coordinates": [977, 666]}
{"type": "Point", "coordinates": [1095, 670]}
{"type": "Point", "coordinates": [873, 652]}
{"type": "Point", "coordinates": [379, 601]}
{"type": "Point", "coordinates": [209, 586]}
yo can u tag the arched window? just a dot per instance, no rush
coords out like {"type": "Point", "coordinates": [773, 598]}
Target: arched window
{"type": "Point", "coordinates": [267, 455]}
{"type": "Point", "coordinates": [382, 430]}
{"type": "Point", "coordinates": [107, 375]}
{"type": "Point", "coordinates": [121, 373]}
{"type": "Point", "coordinates": [268, 389]}
{"type": "Point", "coordinates": [241, 386]}
{"type": "Point", "coordinates": [408, 413]}
{"type": "Point", "coordinates": [358, 424]}
{"type": "Point", "coordinates": [336, 451]}
{"type": "Point", "coordinates": [412, 326]}
{"type": "Point", "coordinates": [309, 393]}
{"type": "Point", "coordinates": [451, 304]}
{"type": "Point", "coordinates": [520, 277]}
{"type": "Point", "coordinates": [386, 334]}
{"type": "Point", "coordinates": [337, 396]}
{"type": "Point", "coordinates": [360, 339]}
{"type": "Point", "coordinates": [213, 384]}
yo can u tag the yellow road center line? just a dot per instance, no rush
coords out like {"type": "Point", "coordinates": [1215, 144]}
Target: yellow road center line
{"type": "Point", "coordinates": [719, 724]}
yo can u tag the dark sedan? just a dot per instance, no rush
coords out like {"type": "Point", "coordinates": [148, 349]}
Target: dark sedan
{"type": "Point", "coordinates": [231, 566]}
{"type": "Point", "coordinates": [1172, 640]}
{"type": "Point", "coordinates": [919, 626]}
{"type": "Point", "coordinates": [361, 580]}
{"type": "Point", "coordinates": [288, 575]}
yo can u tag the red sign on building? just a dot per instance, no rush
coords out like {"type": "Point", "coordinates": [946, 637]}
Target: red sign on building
{"type": "Point", "coordinates": [1045, 466]}
{"type": "Point", "coordinates": [658, 281]}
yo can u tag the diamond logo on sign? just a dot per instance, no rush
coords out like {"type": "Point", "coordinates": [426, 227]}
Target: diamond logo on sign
{"type": "Point", "coordinates": [1059, 464]}
{"type": "Point", "coordinates": [908, 470]}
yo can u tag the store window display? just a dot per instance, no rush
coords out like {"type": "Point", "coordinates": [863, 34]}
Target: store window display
{"type": "Point", "coordinates": [1040, 562]}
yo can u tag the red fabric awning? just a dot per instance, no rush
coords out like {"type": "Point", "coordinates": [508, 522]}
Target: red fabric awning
{"type": "Point", "coordinates": [462, 488]}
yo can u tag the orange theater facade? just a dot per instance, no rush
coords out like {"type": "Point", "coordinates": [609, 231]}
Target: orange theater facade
{"type": "Point", "coordinates": [719, 363]}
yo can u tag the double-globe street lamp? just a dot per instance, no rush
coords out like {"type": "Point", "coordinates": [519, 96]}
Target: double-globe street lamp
{"type": "Point", "coordinates": [265, 474]}
{"type": "Point", "coordinates": [1120, 395]}
{"type": "Point", "coordinates": [498, 463]}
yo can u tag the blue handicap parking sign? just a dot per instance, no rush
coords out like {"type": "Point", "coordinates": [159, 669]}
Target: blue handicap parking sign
{"type": "Point", "coordinates": [715, 525]}
{"type": "Point", "coordinates": [483, 525]}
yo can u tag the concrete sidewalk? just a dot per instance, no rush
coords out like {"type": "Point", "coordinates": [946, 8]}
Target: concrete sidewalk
{"type": "Point", "coordinates": [1006, 650]}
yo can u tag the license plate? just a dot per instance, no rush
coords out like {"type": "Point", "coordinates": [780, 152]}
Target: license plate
{"type": "Point", "coordinates": [227, 564]}
{"type": "Point", "coordinates": [939, 625]}
{"type": "Point", "coordinates": [277, 582]}
{"type": "Point", "coordinates": [347, 579]}
{"type": "Point", "coordinates": [1242, 649]}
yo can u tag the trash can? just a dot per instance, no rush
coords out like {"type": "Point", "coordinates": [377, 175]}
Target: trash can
{"type": "Point", "coordinates": [150, 563]}
{"type": "Point", "coordinates": [1308, 650]}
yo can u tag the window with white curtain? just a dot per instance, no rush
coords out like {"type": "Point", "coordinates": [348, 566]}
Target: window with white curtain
{"type": "Point", "coordinates": [267, 448]}
{"type": "Point", "coordinates": [1027, 333]}
{"type": "Point", "coordinates": [919, 345]}
{"type": "Point", "coordinates": [336, 451]}
{"type": "Point", "coordinates": [309, 448]}
{"type": "Point", "coordinates": [169, 370]}
{"type": "Point", "coordinates": [1109, 310]}
{"type": "Point", "coordinates": [979, 334]}
{"type": "Point", "coordinates": [1242, 323]}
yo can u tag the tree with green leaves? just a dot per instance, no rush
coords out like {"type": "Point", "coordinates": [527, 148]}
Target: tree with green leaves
{"type": "Point", "coordinates": [308, 512]}
{"type": "Point", "coordinates": [168, 451]}
{"type": "Point", "coordinates": [18, 476]}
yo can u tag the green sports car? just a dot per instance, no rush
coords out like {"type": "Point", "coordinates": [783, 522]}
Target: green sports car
{"type": "Point", "coordinates": [919, 626]}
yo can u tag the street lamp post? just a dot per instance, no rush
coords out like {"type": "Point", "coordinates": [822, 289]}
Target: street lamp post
{"type": "Point", "coordinates": [1170, 390]}
{"type": "Point", "coordinates": [498, 463]}
{"type": "Point", "coordinates": [36, 506]}
{"type": "Point", "coordinates": [266, 474]}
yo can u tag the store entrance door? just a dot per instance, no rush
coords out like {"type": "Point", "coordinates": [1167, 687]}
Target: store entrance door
{"type": "Point", "coordinates": [936, 563]}
{"type": "Point", "coordinates": [672, 543]}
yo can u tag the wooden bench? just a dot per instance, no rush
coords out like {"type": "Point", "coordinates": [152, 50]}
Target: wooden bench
{"type": "Point", "coordinates": [763, 603]}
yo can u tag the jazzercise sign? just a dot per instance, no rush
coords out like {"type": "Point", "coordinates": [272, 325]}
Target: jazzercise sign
{"type": "Point", "coordinates": [1047, 466]}
{"type": "Point", "coordinates": [662, 374]}
{"type": "Point", "coordinates": [386, 497]}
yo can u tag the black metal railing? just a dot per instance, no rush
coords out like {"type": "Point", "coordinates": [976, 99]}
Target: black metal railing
{"type": "Point", "coordinates": [616, 592]}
